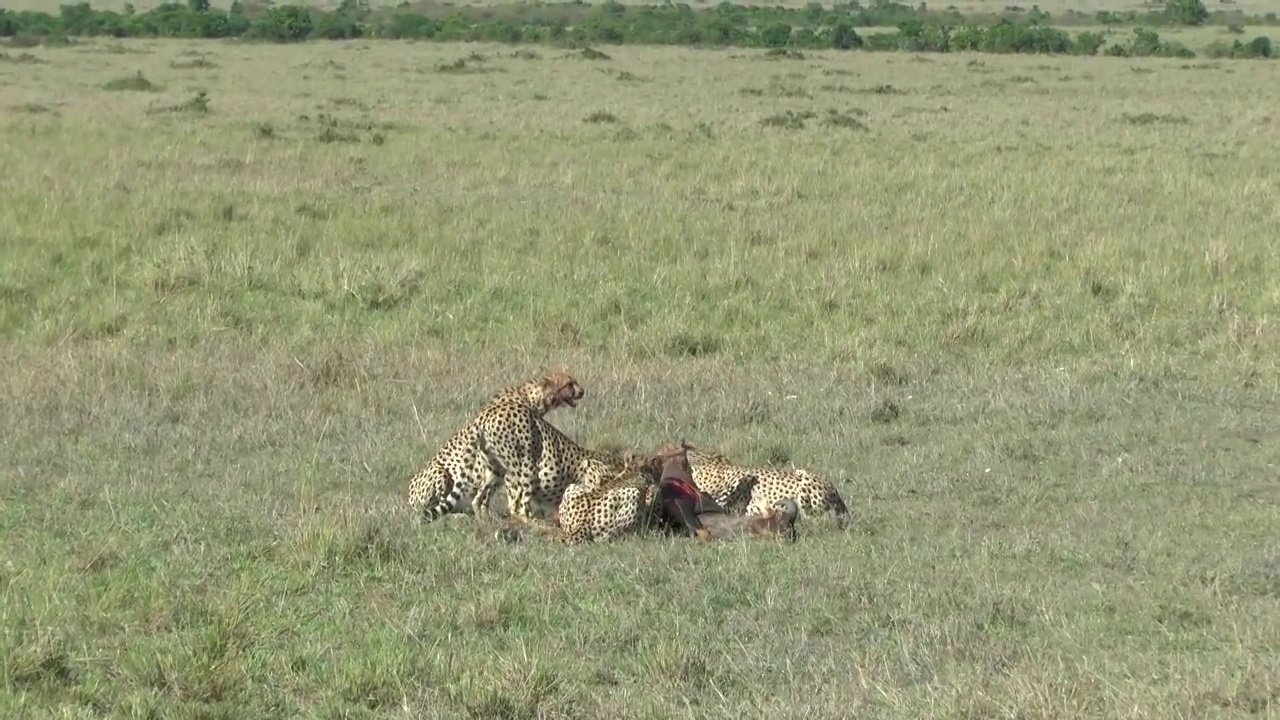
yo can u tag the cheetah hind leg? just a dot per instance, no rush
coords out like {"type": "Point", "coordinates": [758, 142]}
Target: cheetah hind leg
{"type": "Point", "coordinates": [488, 472]}
{"type": "Point", "coordinates": [578, 536]}
{"type": "Point", "coordinates": [520, 493]}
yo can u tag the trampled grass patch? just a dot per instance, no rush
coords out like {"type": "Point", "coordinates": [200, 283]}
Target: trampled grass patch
{"type": "Point", "coordinates": [1031, 336]}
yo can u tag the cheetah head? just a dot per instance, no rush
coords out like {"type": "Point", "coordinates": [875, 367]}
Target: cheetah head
{"type": "Point", "coordinates": [560, 389]}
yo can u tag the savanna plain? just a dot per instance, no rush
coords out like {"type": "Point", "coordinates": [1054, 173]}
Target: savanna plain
{"type": "Point", "coordinates": [1022, 310]}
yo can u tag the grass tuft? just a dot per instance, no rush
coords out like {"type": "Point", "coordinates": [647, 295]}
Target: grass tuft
{"type": "Point", "coordinates": [134, 83]}
{"type": "Point", "coordinates": [198, 104]}
{"type": "Point", "coordinates": [1150, 118]}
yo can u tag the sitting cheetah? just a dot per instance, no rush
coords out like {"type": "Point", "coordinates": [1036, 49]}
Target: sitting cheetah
{"type": "Point", "coordinates": [761, 488]}
{"type": "Point", "coordinates": [511, 442]}
{"type": "Point", "coordinates": [537, 462]}
{"type": "Point", "coordinates": [446, 483]}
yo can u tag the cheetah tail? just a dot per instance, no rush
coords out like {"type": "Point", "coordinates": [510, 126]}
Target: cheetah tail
{"type": "Point", "coordinates": [444, 507]}
{"type": "Point", "coordinates": [839, 511]}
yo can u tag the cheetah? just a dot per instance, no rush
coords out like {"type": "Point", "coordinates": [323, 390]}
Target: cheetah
{"type": "Point", "coordinates": [622, 505]}
{"type": "Point", "coordinates": [759, 489]}
{"type": "Point", "coordinates": [657, 496]}
{"type": "Point", "coordinates": [684, 503]}
{"type": "Point", "coordinates": [510, 442]}
{"type": "Point", "coordinates": [635, 499]}
{"type": "Point", "coordinates": [619, 506]}
{"type": "Point", "coordinates": [446, 483]}
{"type": "Point", "coordinates": [537, 463]}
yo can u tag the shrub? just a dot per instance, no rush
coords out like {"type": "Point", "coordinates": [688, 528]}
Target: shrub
{"type": "Point", "coordinates": [1088, 43]}
{"type": "Point", "coordinates": [1186, 12]}
{"type": "Point", "coordinates": [1257, 48]}
{"type": "Point", "coordinates": [1147, 43]}
{"type": "Point", "coordinates": [776, 35]}
{"type": "Point", "coordinates": [283, 23]}
{"type": "Point", "coordinates": [844, 37]}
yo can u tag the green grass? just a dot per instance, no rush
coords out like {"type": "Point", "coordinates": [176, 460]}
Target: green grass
{"type": "Point", "coordinates": [230, 336]}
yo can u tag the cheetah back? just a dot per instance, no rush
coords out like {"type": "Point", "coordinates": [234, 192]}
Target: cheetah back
{"type": "Point", "coordinates": [731, 485]}
{"type": "Point", "coordinates": [759, 489]}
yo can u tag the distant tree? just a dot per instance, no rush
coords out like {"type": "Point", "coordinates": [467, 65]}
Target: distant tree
{"type": "Point", "coordinates": [844, 37]}
{"type": "Point", "coordinates": [776, 35]}
{"type": "Point", "coordinates": [1186, 12]}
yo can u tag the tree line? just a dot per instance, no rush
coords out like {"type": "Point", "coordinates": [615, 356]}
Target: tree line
{"type": "Point", "coordinates": [917, 29]}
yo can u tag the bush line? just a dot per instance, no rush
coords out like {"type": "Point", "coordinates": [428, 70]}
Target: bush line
{"type": "Point", "coordinates": [577, 23]}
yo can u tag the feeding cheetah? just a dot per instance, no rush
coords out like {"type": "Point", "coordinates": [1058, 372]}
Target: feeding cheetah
{"type": "Point", "coordinates": [634, 500]}
{"type": "Point", "coordinates": [641, 496]}
{"type": "Point", "coordinates": [692, 508]}
{"type": "Point", "coordinates": [762, 488]}
{"type": "Point", "coordinates": [656, 495]}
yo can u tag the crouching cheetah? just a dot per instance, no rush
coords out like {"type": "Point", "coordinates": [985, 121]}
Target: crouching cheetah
{"type": "Point", "coordinates": [658, 495]}
{"type": "Point", "coordinates": [762, 488]}
{"type": "Point", "coordinates": [620, 506]}
{"type": "Point", "coordinates": [447, 483]}
{"type": "Point", "coordinates": [631, 501]}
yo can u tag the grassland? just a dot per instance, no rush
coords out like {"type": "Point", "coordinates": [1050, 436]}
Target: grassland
{"type": "Point", "coordinates": [1022, 310]}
